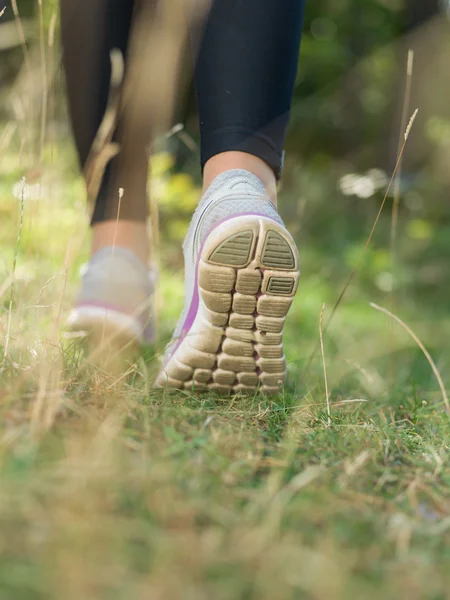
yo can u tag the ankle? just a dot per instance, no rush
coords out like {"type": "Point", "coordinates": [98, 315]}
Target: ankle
{"type": "Point", "coordinates": [131, 235]}
{"type": "Point", "coordinates": [226, 161]}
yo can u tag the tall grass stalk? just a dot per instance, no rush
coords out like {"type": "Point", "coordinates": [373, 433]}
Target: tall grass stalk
{"type": "Point", "coordinates": [52, 99]}
{"type": "Point", "coordinates": [21, 33]}
{"type": "Point", "coordinates": [422, 347]}
{"type": "Point", "coordinates": [44, 80]}
{"type": "Point", "coordinates": [13, 274]}
{"type": "Point", "coordinates": [113, 251]}
{"type": "Point", "coordinates": [397, 184]}
{"type": "Point", "coordinates": [397, 191]}
{"type": "Point", "coordinates": [324, 362]}
{"type": "Point", "coordinates": [369, 238]}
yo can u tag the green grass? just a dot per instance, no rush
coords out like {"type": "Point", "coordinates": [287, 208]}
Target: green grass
{"type": "Point", "coordinates": [109, 489]}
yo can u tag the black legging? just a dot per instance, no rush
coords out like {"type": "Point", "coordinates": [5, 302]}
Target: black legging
{"type": "Point", "coordinates": [245, 71]}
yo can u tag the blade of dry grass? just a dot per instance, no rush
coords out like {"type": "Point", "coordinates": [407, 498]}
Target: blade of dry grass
{"type": "Point", "coordinates": [396, 198]}
{"type": "Point", "coordinates": [21, 33]}
{"type": "Point", "coordinates": [12, 287]}
{"type": "Point", "coordinates": [422, 347]}
{"type": "Point", "coordinates": [103, 148]}
{"type": "Point", "coordinates": [113, 251]}
{"type": "Point", "coordinates": [52, 94]}
{"type": "Point", "coordinates": [324, 365]}
{"type": "Point", "coordinates": [369, 238]}
{"type": "Point", "coordinates": [405, 110]}
{"type": "Point", "coordinates": [44, 79]}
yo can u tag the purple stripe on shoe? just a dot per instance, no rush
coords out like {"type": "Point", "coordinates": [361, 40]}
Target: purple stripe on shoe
{"type": "Point", "coordinates": [105, 305]}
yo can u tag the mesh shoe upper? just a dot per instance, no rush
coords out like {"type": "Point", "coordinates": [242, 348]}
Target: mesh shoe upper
{"type": "Point", "coordinates": [115, 279]}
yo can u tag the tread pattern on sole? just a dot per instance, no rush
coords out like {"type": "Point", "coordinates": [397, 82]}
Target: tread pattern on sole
{"type": "Point", "coordinates": [281, 286]}
{"type": "Point", "coordinates": [277, 252]}
{"type": "Point", "coordinates": [246, 295]}
{"type": "Point", "coordinates": [234, 251]}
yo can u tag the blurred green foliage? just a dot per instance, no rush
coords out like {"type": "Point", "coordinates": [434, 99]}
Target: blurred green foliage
{"type": "Point", "coordinates": [184, 473]}
{"type": "Point", "coordinates": [341, 148]}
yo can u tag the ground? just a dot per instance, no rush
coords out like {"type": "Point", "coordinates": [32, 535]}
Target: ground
{"type": "Point", "coordinates": [109, 489]}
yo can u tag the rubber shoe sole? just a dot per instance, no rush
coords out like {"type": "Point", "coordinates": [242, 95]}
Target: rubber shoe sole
{"type": "Point", "coordinates": [246, 278]}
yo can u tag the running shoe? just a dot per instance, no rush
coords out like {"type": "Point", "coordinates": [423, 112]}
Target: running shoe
{"type": "Point", "coordinates": [115, 299]}
{"type": "Point", "coordinates": [241, 275]}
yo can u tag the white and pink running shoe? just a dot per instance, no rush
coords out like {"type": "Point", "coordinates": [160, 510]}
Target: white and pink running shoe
{"type": "Point", "coordinates": [241, 274]}
{"type": "Point", "coordinates": [115, 302]}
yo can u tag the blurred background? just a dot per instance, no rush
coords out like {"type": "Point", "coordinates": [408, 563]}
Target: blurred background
{"type": "Point", "coordinates": [348, 119]}
{"type": "Point", "coordinates": [109, 489]}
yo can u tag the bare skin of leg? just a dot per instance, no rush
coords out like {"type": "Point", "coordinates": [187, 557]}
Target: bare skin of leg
{"type": "Point", "coordinates": [131, 235]}
{"type": "Point", "coordinates": [240, 160]}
